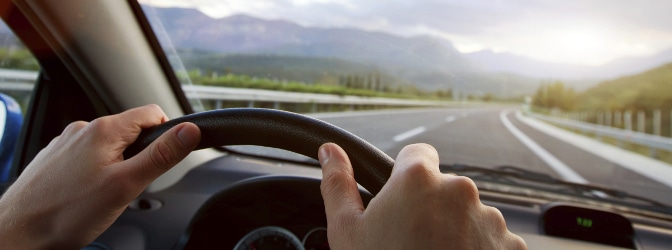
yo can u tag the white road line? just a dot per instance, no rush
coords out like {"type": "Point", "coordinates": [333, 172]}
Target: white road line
{"type": "Point", "coordinates": [410, 133]}
{"type": "Point", "coordinates": [650, 168]}
{"type": "Point", "coordinates": [450, 118]}
{"type": "Point", "coordinates": [563, 170]}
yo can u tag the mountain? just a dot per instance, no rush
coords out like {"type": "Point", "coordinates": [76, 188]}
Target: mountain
{"type": "Point", "coordinates": [302, 69]}
{"type": "Point", "coordinates": [649, 90]}
{"type": "Point", "coordinates": [279, 49]}
{"type": "Point", "coordinates": [242, 34]}
{"type": "Point", "coordinates": [633, 65]}
{"type": "Point", "coordinates": [506, 62]}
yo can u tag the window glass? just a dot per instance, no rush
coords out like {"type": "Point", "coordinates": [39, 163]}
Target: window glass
{"type": "Point", "coordinates": [566, 89]}
{"type": "Point", "coordinates": [18, 73]}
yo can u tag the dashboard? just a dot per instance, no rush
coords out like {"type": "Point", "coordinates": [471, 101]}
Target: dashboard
{"type": "Point", "coordinates": [244, 202]}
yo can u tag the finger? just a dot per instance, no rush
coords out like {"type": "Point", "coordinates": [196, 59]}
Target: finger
{"type": "Point", "coordinates": [164, 153]}
{"type": "Point", "coordinates": [131, 122]}
{"type": "Point", "coordinates": [420, 157]}
{"type": "Point", "coordinates": [339, 189]}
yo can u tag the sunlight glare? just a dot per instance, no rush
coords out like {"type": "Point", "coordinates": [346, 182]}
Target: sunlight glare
{"type": "Point", "coordinates": [579, 46]}
{"type": "Point", "coordinates": [583, 41]}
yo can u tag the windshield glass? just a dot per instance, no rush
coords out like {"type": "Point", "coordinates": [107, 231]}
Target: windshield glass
{"type": "Point", "coordinates": [577, 90]}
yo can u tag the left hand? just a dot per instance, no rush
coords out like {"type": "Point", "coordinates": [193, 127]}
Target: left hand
{"type": "Point", "coordinates": [78, 185]}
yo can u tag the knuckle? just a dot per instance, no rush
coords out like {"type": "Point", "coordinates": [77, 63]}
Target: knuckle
{"type": "Point", "coordinates": [332, 182]}
{"type": "Point", "coordinates": [74, 127]}
{"type": "Point", "coordinates": [418, 171]}
{"type": "Point", "coordinates": [496, 217]}
{"type": "Point", "coordinates": [161, 155]}
{"type": "Point", "coordinates": [516, 242]}
{"type": "Point", "coordinates": [154, 108]}
{"type": "Point", "coordinates": [465, 187]}
{"type": "Point", "coordinates": [100, 125]}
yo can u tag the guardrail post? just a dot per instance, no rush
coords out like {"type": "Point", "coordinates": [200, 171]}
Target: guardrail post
{"type": "Point", "coordinates": [617, 119]}
{"type": "Point", "coordinates": [607, 118]}
{"type": "Point", "coordinates": [313, 108]}
{"type": "Point", "coordinates": [653, 153]}
{"type": "Point", "coordinates": [276, 105]}
{"type": "Point", "coordinates": [250, 104]}
{"type": "Point", "coordinates": [627, 117]}
{"type": "Point", "coordinates": [641, 123]}
{"type": "Point", "coordinates": [656, 122]}
{"type": "Point", "coordinates": [218, 104]}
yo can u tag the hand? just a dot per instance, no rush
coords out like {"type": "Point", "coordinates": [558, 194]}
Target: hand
{"type": "Point", "coordinates": [418, 208]}
{"type": "Point", "coordinates": [78, 185]}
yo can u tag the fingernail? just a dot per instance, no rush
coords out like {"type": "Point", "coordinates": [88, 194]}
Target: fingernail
{"type": "Point", "coordinates": [324, 154]}
{"type": "Point", "coordinates": [186, 137]}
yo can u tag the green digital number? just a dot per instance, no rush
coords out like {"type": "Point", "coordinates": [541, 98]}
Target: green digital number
{"type": "Point", "coordinates": [584, 222]}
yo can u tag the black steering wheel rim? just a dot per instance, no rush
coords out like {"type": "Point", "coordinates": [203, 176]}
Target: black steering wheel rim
{"type": "Point", "coordinates": [279, 129]}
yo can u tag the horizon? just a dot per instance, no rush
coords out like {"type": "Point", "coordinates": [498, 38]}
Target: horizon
{"type": "Point", "coordinates": [581, 33]}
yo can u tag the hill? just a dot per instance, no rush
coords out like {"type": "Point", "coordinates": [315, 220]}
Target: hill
{"type": "Point", "coordinates": [577, 76]}
{"type": "Point", "coordinates": [646, 91]}
{"type": "Point", "coordinates": [246, 45]}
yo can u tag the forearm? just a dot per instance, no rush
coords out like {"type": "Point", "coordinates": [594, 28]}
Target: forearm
{"type": "Point", "coordinates": [20, 231]}
{"type": "Point", "coordinates": [24, 226]}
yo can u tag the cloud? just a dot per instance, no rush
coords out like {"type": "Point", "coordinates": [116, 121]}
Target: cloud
{"type": "Point", "coordinates": [549, 30]}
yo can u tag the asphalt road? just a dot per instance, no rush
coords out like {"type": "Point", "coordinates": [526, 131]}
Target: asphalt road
{"type": "Point", "coordinates": [478, 136]}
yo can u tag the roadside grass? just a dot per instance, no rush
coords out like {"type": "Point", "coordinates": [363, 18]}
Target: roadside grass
{"type": "Point", "coordinates": [242, 81]}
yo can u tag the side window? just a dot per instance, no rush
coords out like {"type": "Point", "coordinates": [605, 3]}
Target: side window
{"type": "Point", "coordinates": [18, 73]}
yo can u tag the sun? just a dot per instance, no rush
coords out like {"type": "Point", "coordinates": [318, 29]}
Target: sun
{"type": "Point", "coordinates": [582, 41]}
{"type": "Point", "coordinates": [578, 46]}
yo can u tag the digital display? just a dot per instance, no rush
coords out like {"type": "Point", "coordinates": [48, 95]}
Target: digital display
{"type": "Point", "coordinates": [588, 225]}
{"type": "Point", "coordinates": [584, 222]}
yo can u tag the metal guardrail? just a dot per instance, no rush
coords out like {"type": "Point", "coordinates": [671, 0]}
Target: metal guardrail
{"type": "Point", "coordinates": [648, 140]}
{"type": "Point", "coordinates": [19, 80]}
{"type": "Point", "coordinates": [18, 75]}
{"type": "Point", "coordinates": [260, 95]}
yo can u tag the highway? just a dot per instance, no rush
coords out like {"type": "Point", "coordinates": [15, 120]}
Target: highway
{"type": "Point", "coordinates": [479, 136]}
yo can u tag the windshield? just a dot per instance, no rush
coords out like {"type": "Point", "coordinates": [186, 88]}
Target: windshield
{"type": "Point", "coordinates": [578, 90]}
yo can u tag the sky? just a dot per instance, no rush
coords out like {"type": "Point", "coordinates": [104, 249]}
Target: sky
{"type": "Point", "coordinates": [579, 32]}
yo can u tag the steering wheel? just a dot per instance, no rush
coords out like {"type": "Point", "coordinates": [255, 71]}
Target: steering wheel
{"type": "Point", "coordinates": [279, 129]}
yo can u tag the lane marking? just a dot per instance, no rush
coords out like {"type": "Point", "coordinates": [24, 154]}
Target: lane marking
{"type": "Point", "coordinates": [410, 133]}
{"type": "Point", "coordinates": [450, 118]}
{"type": "Point", "coordinates": [654, 169]}
{"type": "Point", "coordinates": [560, 167]}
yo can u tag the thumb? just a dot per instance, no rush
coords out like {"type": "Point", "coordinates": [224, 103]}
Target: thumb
{"type": "Point", "coordinates": [165, 152]}
{"type": "Point", "coordinates": [341, 197]}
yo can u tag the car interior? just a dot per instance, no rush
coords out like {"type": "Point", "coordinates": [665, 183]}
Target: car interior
{"type": "Point", "coordinates": [100, 57]}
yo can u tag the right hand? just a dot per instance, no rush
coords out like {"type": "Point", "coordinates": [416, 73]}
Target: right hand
{"type": "Point", "coordinates": [418, 208]}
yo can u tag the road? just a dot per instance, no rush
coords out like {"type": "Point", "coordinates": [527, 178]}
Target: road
{"type": "Point", "coordinates": [479, 136]}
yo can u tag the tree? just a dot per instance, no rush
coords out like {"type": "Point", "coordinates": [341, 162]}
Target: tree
{"type": "Point", "coordinates": [555, 95]}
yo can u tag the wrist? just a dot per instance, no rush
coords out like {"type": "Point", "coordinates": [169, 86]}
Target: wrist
{"type": "Point", "coordinates": [21, 230]}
